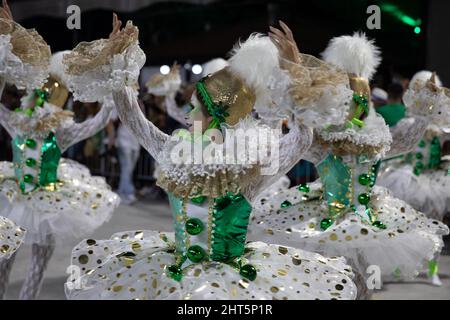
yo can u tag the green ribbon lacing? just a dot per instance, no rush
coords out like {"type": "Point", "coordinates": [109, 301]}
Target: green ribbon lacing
{"type": "Point", "coordinates": [218, 111]}
{"type": "Point", "coordinates": [362, 110]}
{"type": "Point", "coordinates": [40, 96]}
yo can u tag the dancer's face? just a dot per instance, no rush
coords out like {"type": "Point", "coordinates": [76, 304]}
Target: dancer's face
{"type": "Point", "coordinates": [197, 115]}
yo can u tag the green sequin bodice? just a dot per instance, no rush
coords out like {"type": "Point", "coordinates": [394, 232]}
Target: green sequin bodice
{"type": "Point", "coordinates": [427, 155]}
{"type": "Point", "coordinates": [210, 229]}
{"type": "Point", "coordinates": [35, 161]}
{"type": "Point", "coordinates": [347, 184]}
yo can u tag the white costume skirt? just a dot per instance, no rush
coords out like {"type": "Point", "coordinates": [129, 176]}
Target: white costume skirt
{"type": "Point", "coordinates": [132, 265]}
{"type": "Point", "coordinates": [428, 192]}
{"type": "Point", "coordinates": [77, 205]}
{"type": "Point", "coordinates": [400, 251]}
{"type": "Point", "coordinates": [11, 237]}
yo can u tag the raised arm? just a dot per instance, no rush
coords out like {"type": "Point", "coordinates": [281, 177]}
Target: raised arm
{"type": "Point", "coordinates": [406, 134]}
{"type": "Point", "coordinates": [5, 113]}
{"type": "Point", "coordinates": [426, 104]}
{"type": "Point", "coordinates": [148, 135]}
{"type": "Point", "coordinates": [68, 136]}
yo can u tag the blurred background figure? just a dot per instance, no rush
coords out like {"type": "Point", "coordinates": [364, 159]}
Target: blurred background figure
{"type": "Point", "coordinates": [394, 110]}
{"type": "Point", "coordinates": [379, 97]}
{"type": "Point", "coordinates": [128, 149]}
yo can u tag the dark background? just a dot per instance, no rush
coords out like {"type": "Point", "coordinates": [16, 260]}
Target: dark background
{"type": "Point", "coordinates": [197, 30]}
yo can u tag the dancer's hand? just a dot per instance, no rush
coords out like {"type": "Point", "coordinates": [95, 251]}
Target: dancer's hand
{"type": "Point", "coordinates": [116, 26]}
{"type": "Point", "coordinates": [431, 83]}
{"type": "Point", "coordinates": [5, 11]}
{"type": "Point", "coordinates": [284, 41]}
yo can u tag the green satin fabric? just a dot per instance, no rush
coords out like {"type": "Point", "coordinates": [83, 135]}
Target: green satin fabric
{"type": "Point", "coordinates": [336, 179]}
{"type": "Point", "coordinates": [231, 214]}
{"type": "Point", "coordinates": [231, 217]}
{"type": "Point", "coordinates": [50, 155]}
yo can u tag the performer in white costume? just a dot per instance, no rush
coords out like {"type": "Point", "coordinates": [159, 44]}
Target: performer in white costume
{"type": "Point", "coordinates": [207, 256]}
{"type": "Point", "coordinates": [52, 199]}
{"type": "Point", "coordinates": [421, 177]}
{"type": "Point", "coordinates": [345, 213]}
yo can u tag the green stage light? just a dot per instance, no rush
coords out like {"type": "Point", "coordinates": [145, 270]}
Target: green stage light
{"type": "Point", "coordinates": [400, 15]}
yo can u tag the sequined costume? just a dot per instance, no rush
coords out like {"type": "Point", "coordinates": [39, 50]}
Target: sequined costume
{"type": "Point", "coordinates": [345, 213]}
{"type": "Point", "coordinates": [52, 198]}
{"type": "Point", "coordinates": [207, 256]}
{"type": "Point", "coordinates": [421, 177]}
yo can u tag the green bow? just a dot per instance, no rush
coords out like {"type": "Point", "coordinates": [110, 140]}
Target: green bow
{"type": "Point", "coordinates": [362, 107]}
{"type": "Point", "coordinates": [40, 96]}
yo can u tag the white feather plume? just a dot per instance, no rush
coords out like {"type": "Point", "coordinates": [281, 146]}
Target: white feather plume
{"type": "Point", "coordinates": [57, 69]}
{"type": "Point", "coordinates": [255, 61]}
{"type": "Point", "coordinates": [424, 76]}
{"type": "Point", "coordinates": [214, 65]}
{"type": "Point", "coordinates": [354, 54]}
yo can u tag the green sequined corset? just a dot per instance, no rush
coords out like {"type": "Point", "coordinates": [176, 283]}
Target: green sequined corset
{"type": "Point", "coordinates": [426, 157]}
{"type": "Point", "coordinates": [347, 185]}
{"type": "Point", "coordinates": [210, 230]}
{"type": "Point", "coordinates": [35, 162]}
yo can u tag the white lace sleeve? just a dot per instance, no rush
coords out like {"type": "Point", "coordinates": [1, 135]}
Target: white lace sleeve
{"type": "Point", "coordinates": [26, 63]}
{"type": "Point", "coordinates": [97, 68]}
{"type": "Point", "coordinates": [76, 132]}
{"type": "Point", "coordinates": [5, 115]}
{"type": "Point", "coordinates": [174, 111]}
{"type": "Point", "coordinates": [292, 147]}
{"type": "Point", "coordinates": [148, 135]}
{"type": "Point", "coordinates": [406, 134]}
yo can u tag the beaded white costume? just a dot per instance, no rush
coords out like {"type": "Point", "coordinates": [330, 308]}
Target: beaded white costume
{"type": "Point", "coordinates": [206, 257]}
{"type": "Point", "coordinates": [48, 197]}
{"type": "Point", "coordinates": [343, 213]}
{"type": "Point", "coordinates": [421, 178]}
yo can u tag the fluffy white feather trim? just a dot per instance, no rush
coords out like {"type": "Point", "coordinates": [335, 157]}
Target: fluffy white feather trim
{"type": "Point", "coordinates": [213, 66]}
{"type": "Point", "coordinates": [424, 75]}
{"type": "Point", "coordinates": [57, 69]}
{"type": "Point", "coordinates": [255, 61]}
{"type": "Point", "coordinates": [354, 54]}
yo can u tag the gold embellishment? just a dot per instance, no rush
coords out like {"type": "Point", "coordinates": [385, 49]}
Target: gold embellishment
{"type": "Point", "coordinates": [213, 187]}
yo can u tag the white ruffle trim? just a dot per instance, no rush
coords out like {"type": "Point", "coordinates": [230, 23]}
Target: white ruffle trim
{"type": "Point", "coordinates": [15, 71]}
{"type": "Point", "coordinates": [429, 192]}
{"type": "Point", "coordinates": [185, 171]}
{"type": "Point", "coordinates": [132, 265]}
{"type": "Point", "coordinates": [374, 133]}
{"type": "Point", "coordinates": [401, 251]}
{"type": "Point", "coordinates": [80, 204]}
{"type": "Point", "coordinates": [123, 71]}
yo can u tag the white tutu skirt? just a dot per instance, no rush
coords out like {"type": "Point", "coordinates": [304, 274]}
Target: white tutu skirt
{"type": "Point", "coordinates": [132, 265]}
{"type": "Point", "coordinates": [401, 250]}
{"type": "Point", "coordinates": [11, 237]}
{"type": "Point", "coordinates": [429, 192]}
{"type": "Point", "coordinates": [79, 203]}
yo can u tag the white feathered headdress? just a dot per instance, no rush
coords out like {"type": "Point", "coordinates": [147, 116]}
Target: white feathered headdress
{"type": "Point", "coordinates": [424, 76]}
{"type": "Point", "coordinates": [57, 69]}
{"type": "Point", "coordinates": [354, 54]}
